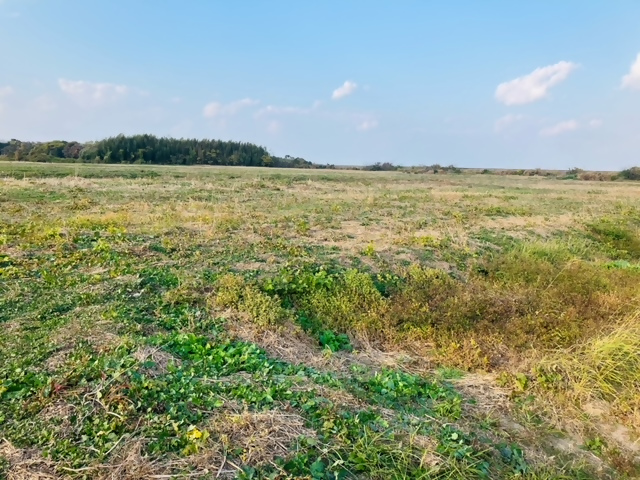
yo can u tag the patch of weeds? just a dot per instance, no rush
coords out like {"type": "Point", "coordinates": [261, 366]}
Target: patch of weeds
{"type": "Point", "coordinates": [595, 445]}
{"type": "Point", "coordinates": [622, 265]}
{"type": "Point", "coordinates": [232, 291]}
{"type": "Point", "coordinates": [369, 250]}
{"type": "Point", "coordinates": [504, 211]}
{"type": "Point", "coordinates": [621, 238]}
{"type": "Point", "coordinates": [448, 373]}
{"type": "Point", "coordinates": [513, 456]}
{"type": "Point", "coordinates": [457, 445]}
{"type": "Point", "coordinates": [4, 467]}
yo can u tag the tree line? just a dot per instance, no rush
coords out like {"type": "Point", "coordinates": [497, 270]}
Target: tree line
{"type": "Point", "coordinates": [150, 150]}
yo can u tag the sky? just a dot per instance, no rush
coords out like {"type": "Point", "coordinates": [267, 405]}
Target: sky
{"type": "Point", "coordinates": [500, 84]}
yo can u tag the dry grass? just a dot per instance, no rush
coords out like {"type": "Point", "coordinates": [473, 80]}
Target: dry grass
{"type": "Point", "coordinates": [26, 464]}
{"type": "Point", "coordinates": [601, 377]}
{"type": "Point", "coordinates": [262, 436]}
{"type": "Point", "coordinates": [160, 359]}
{"type": "Point", "coordinates": [289, 342]}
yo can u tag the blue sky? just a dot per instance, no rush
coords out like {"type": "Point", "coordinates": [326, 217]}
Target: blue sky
{"type": "Point", "coordinates": [477, 84]}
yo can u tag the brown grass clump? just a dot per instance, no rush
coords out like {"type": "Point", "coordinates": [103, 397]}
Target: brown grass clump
{"type": "Point", "coordinates": [160, 359]}
{"type": "Point", "coordinates": [289, 342]}
{"type": "Point", "coordinates": [130, 463]}
{"type": "Point", "coordinates": [262, 436]}
{"type": "Point", "coordinates": [26, 464]}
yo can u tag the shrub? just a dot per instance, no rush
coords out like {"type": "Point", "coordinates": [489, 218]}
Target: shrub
{"type": "Point", "coordinates": [263, 309]}
{"type": "Point", "coordinates": [632, 173]}
{"type": "Point", "coordinates": [232, 291]}
{"type": "Point", "coordinates": [596, 176]}
{"type": "Point", "coordinates": [382, 167]}
{"type": "Point", "coordinates": [352, 302]}
{"type": "Point", "coordinates": [229, 289]}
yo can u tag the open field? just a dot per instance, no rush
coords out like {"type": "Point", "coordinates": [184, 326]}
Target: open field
{"type": "Point", "coordinates": [254, 323]}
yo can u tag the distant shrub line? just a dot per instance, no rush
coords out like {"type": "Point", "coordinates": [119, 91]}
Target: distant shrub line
{"type": "Point", "coordinates": [151, 150]}
{"type": "Point", "coordinates": [571, 174]}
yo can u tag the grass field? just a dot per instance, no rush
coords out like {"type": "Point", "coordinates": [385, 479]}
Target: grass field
{"type": "Point", "coordinates": [167, 322]}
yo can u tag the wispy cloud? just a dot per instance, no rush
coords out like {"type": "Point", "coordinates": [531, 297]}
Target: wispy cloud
{"type": "Point", "coordinates": [595, 123]}
{"type": "Point", "coordinates": [287, 110]}
{"type": "Point", "coordinates": [366, 125]}
{"type": "Point", "coordinates": [560, 128]}
{"type": "Point", "coordinates": [507, 121]}
{"type": "Point", "coordinates": [346, 89]}
{"type": "Point", "coordinates": [534, 86]}
{"type": "Point", "coordinates": [275, 110]}
{"type": "Point", "coordinates": [89, 94]}
{"type": "Point", "coordinates": [217, 109]}
{"type": "Point", "coordinates": [632, 79]}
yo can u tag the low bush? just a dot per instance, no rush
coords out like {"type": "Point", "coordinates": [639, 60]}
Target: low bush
{"type": "Point", "coordinates": [232, 291]}
{"type": "Point", "coordinates": [632, 173]}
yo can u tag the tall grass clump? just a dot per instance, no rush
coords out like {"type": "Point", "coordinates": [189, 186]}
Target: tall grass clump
{"type": "Point", "coordinates": [605, 367]}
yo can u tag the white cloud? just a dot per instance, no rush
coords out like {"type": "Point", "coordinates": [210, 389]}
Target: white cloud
{"type": "Point", "coordinates": [595, 123]}
{"type": "Point", "coordinates": [217, 109]}
{"type": "Point", "coordinates": [276, 110]}
{"type": "Point", "coordinates": [560, 128]}
{"type": "Point", "coordinates": [366, 125]}
{"type": "Point", "coordinates": [534, 86]}
{"type": "Point", "coordinates": [632, 79]}
{"type": "Point", "coordinates": [345, 90]}
{"type": "Point", "coordinates": [88, 94]}
{"type": "Point", "coordinates": [505, 122]}
{"type": "Point", "coordinates": [212, 109]}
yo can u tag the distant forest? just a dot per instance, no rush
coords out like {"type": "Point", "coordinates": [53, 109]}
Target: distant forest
{"type": "Point", "coordinates": [148, 149]}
